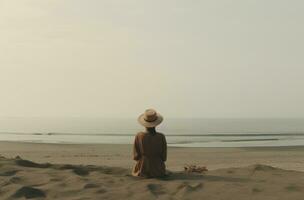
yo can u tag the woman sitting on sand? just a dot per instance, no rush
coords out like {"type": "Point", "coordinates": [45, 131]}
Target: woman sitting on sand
{"type": "Point", "coordinates": [150, 147]}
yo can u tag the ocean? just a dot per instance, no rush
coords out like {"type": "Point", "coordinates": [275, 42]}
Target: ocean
{"type": "Point", "coordinates": [179, 132]}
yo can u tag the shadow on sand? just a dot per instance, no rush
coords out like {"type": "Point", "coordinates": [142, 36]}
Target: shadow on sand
{"type": "Point", "coordinates": [203, 177]}
{"type": "Point", "coordinates": [196, 177]}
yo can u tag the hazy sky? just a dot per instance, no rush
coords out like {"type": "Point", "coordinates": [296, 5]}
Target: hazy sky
{"type": "Point", "coordinates": [186, 58]}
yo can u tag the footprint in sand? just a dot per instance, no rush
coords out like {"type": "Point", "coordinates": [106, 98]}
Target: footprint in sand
{"type": "Point", "coordinates": [90, 185]}
{"type": "Point", "coordinates": [101, 191]}
{"type": "Point", "coordinates": [186, 187]}
{"type": "Point", "coordinates": [8, 173]}
{"type": "Point", "coordinates": [15, 179]}
{"type": "Point", "coordinates": [293, 188]}
{"type": "Point", "coordinates": [256, 190]}
{"type": "Point", "coordinates": [27, 163]}
{"type": "Point", "coordinates": [28, 192]}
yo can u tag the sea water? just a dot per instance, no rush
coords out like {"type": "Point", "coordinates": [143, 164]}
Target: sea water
{"type": "Point", "coordinates": [179, 132]}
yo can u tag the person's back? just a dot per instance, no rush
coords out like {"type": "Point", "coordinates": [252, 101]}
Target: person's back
{"type": "Point", "coordinates": [150, 149]}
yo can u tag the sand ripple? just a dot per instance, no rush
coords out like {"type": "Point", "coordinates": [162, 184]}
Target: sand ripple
{"type": "Point", "coordinates": [24, 179]}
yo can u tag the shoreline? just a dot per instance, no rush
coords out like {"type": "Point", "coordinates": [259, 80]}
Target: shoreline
{"type": "Point", "coordinates": [169, 146]}
{"type": "Point", "coordinates": [120, 155]}
{"type": "Point", "coordinates": [173, 145]}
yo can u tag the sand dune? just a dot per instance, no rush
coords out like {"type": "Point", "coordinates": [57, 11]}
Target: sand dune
{"type": "Point", "coordinates": [23, 179]}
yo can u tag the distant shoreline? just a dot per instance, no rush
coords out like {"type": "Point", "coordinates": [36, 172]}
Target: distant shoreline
{"type": "Point", "coordinates": [177, 140]}
{"type": "Point", "coordinates": [120, 155]}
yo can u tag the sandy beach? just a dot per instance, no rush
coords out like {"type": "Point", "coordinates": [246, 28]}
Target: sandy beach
{"type": "Point", "coordinates": [207, 96]}
{"type": "Point", "coordinates": [103, 172]}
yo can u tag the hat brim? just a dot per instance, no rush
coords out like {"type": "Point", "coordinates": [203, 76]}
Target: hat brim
{"type": "Point", "coordinates": [146, 124]}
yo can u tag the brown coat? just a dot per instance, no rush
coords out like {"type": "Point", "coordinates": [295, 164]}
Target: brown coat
{"type": "Point", "coordinates": [150, 152]}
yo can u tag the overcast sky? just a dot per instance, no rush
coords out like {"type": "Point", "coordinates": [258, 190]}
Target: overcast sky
{"type": "Point", "coordinates": [186, 58]}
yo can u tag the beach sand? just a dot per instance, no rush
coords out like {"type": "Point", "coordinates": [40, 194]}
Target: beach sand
{"type": "Point", "coordinates": [103, 172]}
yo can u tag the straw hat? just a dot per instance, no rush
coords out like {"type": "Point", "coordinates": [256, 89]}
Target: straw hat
{"type": "Point", "coordinates": [150, 118]}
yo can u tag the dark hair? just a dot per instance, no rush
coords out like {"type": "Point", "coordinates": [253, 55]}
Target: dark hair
{"type": "Point", "coordinates": [151, 130]}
